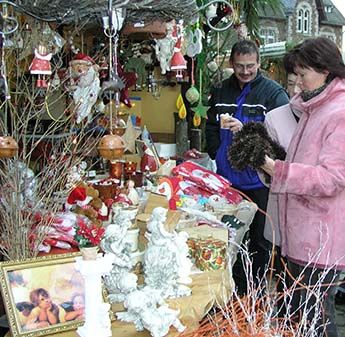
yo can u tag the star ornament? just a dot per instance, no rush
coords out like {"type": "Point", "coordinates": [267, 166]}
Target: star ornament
{"type": "Point", "coordinates": [130, 136]}
{"type": "Point", "coordinates": [200, 110]}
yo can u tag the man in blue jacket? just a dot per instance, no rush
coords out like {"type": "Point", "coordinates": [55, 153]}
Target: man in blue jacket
{"type": "Point", "coordinates": [246, 96]}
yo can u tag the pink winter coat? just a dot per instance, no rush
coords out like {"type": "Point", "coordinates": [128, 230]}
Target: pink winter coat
{"type": "Point", "coordinates": [311, 182]}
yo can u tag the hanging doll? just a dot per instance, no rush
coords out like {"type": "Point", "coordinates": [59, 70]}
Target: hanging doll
{"type": "Point", "coordinates": [41, 66]}
{"type": "Point", "coordinates": [84, 73]}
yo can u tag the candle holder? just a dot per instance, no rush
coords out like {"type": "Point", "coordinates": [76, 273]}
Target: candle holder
{"type": "Point", "coordinates": [130, 167]}
{"type": "Point", "coordinates": [116, 169]}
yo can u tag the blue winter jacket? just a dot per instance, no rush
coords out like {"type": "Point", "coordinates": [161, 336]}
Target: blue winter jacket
{"type": "Point", "coordinates": [263, 96]}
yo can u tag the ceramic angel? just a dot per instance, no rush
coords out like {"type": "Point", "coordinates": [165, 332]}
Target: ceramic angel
{"type": "Point", "coordinates": [120, 281]}
{"type": "Point", "coordinates": [165, 48]}
{"type": "Point", "coordinates": [183, 262]}
{"type": "Point", "coordinates": [163, 262]}
{"type": "Point", "coordinates": [147, 310]}
{"type": "Point", "coordinates": [132, 192]}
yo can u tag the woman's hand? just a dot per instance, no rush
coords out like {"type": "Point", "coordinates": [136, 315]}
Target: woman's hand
{"type": "Point", "coordinates": [268, 167]}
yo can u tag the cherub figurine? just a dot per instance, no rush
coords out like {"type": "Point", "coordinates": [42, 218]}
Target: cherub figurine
{"type": "Point", "coordinates": [164, 48]}
{"type": "Point", "coordinates": [120, 281]}
{"type": "Point", "coordinates": [166, 260]}
{"type": "Point", "coordinates": [147, 310]}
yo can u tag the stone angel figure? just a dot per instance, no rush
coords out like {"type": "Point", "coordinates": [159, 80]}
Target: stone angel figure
{"type": "Point", "coordinates": [165, 258]}
{"type": "Point", "coordinates": [120, 281]}
{"type": "Point", "coordinates": [164, 48]}
{"type": "Point", "coordinates": [147, 310]}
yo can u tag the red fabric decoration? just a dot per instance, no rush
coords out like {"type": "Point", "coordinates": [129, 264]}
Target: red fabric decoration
{"type": "Point", "coordinates": [78, 194]}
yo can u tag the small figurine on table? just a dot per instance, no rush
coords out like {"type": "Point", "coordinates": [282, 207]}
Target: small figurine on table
{"type": "Point", "coordinates": [147, 310]}
{"type": "Point", "coordinates": [165, 258]}
{"type": "Point", "coordinates": [120, 281]}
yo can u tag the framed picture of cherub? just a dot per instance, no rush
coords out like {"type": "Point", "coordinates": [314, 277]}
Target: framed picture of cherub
{"type": "Point", "coordinates": [43, 296]}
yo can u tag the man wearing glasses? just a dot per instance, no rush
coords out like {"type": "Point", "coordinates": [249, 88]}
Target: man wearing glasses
{"type": "Point", "coordinates": [246, 96]}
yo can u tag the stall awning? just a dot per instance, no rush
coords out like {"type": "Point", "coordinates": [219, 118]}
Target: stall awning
{"type": "Point", "coordinates": [273, 50]}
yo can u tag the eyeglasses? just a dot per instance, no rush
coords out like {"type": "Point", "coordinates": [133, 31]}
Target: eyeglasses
{"type": "Point", "coordinates": [242, 67]}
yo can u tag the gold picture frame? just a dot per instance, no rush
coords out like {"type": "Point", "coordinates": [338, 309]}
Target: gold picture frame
{"type": "Point", "coordinates": [42, 296]}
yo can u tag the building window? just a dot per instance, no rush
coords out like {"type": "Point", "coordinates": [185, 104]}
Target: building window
{"type": "Point", "coordinates": [269, 34]}
{"type": "Point", "coordinates": [303, 21]}
{"type": "Point", "coordinates": [328, 9]}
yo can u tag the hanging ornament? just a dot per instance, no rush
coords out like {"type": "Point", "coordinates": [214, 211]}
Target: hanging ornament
{"type": "Point", "coordinates": [178, 63]}
{"type": "Point", "coordinates": [164, 48]}
{"type": "Point", "coordinates": [192, 94]}
{"type": "Point", "coordinates": [84, 73]}
{"type": "Point", "coordinates": [194, 42]}
{"type": "Point", "coordinates": [8, 147]}
{"type": "Point", "coordinates": [241, 30]}
{"type": "Point", "coordinates": [129, 78]}
{"type": "Point", "coordinates": [111, 147]}
{"type": "Point", "coordinates": [219, 12]}
{"type": "Point", "coordinates": [41, 66]}
{"type": "Point", "coordinates": [200, 110]}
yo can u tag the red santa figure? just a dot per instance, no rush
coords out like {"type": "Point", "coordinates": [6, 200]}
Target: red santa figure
{"type": "Point", "coordinates": [41, 66]}
{"type": "Point", "coordinates": [148, 161]}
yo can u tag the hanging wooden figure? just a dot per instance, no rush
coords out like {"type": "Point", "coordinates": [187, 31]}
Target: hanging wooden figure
{"type": "Point", "coordinates": [41, 66]}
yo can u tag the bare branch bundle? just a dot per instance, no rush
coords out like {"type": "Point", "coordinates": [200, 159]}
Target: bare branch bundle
{"type": "Point", "coordinates": [33, 183]}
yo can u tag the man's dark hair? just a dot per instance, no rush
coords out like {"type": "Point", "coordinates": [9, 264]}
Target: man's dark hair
{"type": "Point", "coordinates": [245, 47]}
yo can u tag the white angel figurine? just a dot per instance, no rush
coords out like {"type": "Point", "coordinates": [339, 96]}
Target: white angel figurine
{"type": "Point", "coordinates": [164, 48]}
{"type": "Point", "coordinates": [147, 310]}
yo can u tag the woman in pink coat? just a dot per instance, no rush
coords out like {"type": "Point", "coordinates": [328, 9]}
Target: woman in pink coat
{"type": "Point", "coordinates": [311, 182]}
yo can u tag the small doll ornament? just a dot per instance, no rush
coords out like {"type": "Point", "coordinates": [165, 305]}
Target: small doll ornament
{"type": "Point", "coordinates": [41, 66]}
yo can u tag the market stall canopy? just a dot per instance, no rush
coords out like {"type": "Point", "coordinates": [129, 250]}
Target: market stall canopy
{"type": "Point", "coordinates": [273, 50]}
{"type": "Point", "coordinates": [92, 11]}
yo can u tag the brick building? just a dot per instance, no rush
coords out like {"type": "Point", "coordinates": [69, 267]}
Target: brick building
{"type": "Point", "coordinates": [300, 19]}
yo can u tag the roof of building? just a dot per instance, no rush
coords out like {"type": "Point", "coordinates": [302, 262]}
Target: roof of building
{"type": "Point", "coordinates": [334, 17]}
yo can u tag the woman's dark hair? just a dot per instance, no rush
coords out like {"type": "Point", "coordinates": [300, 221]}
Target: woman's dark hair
{"type": "Point", "coordinates": [288, 64]}
{"type": "Point", "coordinates": [245, 47]}
{"type": "Point", "coordinates": [319, 54]}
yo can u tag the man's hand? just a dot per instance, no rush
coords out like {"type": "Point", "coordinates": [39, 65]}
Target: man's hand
{"type": "Point", "coordinates": [231, 123]}
{"type": "Point", "coordinates": [235, 125]}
